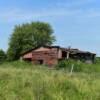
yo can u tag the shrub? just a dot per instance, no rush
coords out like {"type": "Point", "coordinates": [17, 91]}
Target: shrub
{"type": "Point", "coordinates": [65, 64]}
{"type": "Point", "coordinates": [78, 65]}
{"type": "Point", "coordinates": [2, 56]}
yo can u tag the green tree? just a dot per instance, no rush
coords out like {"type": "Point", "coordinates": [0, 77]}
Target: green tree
{"type": "Point", "coordinates": [28, 36]}
{"type": "Point", "coordinates": [2, 56]}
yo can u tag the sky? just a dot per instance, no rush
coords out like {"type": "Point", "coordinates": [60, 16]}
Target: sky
{"type": "Point", "coordinates": [76, 23]}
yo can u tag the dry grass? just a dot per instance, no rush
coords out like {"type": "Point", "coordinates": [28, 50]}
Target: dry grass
{"type": "Point", "coordinates": [29, 82]}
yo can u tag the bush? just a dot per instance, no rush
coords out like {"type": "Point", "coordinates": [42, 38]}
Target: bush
{"type": "Point", "coordinates": [65, 64]}
{"type": "Point", "coordinates": [97, 61]}
{"type": "Point", "coordinates": [2, 56]}
{"type": "Point", "coordinates": [78, 66]}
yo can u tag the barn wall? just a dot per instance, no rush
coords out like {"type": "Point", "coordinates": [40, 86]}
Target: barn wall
{"type": "Point", "coordinates": [49, 57]}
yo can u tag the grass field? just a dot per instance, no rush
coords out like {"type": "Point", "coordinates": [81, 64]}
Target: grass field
{"type": "Point", "coordinates": [23, 81]}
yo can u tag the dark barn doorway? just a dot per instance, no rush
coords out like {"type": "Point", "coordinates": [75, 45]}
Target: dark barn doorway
{"type": "Point", "coordinates": [64, 54]}
{"type": "Point", "coordinates": [40, 62]}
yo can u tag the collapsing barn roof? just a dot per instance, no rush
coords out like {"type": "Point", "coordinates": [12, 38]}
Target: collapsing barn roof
{"type": "Point", "coordinates": [71, 50]}
{"type": "Point", "coordinates": [76, 51]}
{"type": "Point", "coordinates": [52, 54]}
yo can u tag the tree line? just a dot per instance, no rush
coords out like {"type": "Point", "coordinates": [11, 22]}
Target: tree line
{"type": "Point", "coordinates": [26, 37]}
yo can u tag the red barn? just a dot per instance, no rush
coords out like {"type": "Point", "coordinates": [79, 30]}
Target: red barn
{"type": "Point", "coordinates": [50, 55]}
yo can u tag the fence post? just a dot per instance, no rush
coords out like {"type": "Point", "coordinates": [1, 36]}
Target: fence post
{"type": "Point", "coordinates": [72, 67]}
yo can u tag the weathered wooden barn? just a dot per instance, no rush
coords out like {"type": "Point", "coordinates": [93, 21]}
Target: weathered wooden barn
{"type": "Point", "coordinates": [50, 55]}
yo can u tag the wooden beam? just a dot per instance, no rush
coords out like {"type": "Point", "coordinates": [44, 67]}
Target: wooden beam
{"type": "Point", "coordinates": [68, 55]}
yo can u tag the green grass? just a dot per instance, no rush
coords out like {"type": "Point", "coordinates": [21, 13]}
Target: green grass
{"type": "Point", "coordinates": [79, 66]}
{"type": "Point", "coordinates": [23, 81]}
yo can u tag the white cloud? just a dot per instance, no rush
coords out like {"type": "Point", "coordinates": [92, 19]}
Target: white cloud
{"type": "Point", "coordinates": [75, 3]}
{"type": "Point", "coordinates": [64, 9]}
{"type": "Point", "coordinates": [17, 14]}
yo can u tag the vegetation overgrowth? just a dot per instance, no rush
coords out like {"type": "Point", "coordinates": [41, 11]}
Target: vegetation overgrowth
{"type": "Point", "coordinates": [79, 66]}
{"type": "Point", "coordinates": [25, 81]}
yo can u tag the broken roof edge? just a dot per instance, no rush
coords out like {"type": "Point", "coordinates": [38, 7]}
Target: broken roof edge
{"type": "Point", "coordinates": [40, 47]}
{"type": "Point", "coordinates": [59, 47]}
{"type": "Point", "coordinates": [77, 51]}
{"type": "Point", "coordinates": [80, 51]}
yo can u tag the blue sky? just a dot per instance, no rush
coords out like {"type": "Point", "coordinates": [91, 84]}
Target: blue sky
{"type": "Point", "coordinates": [76, 22]}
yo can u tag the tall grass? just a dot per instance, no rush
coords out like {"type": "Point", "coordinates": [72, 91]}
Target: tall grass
{"type": "Point", "coordinates": [79, 66]}
{"type": "Point", "coordinates": [24, 81]}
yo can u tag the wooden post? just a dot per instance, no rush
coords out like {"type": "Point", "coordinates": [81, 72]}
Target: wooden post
{"type": "Point", "coordinates": [68, 52]}
{"type": "Point", "coordinates": [71, 72]}
{"type": "Point", "coordinates": [21, 59]}
{"type": "Point", "coordinates": [67, 55]}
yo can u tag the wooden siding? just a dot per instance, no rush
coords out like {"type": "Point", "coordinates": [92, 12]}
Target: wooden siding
{"type": "Point", "coordinates": [49, 57]}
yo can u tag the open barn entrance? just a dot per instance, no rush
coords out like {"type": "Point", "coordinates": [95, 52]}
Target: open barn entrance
{"type": "Point", "coordinates": [64, 54]}
{"type": "Point", "coordinates": [40, 62]}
